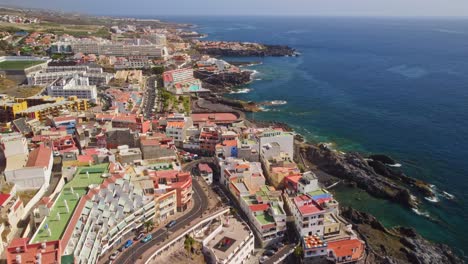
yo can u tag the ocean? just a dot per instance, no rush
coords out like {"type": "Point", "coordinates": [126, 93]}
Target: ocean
{"type": "Point", "coordinates": [397, 86]}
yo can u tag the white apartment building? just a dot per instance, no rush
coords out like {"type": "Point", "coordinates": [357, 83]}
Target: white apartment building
{"type": "Point", "coordinates": [45, 78]}
{"type": "Point", "coordinates": [118, 48]}
{"type": "Point", "coordinates": [176, 127]}
{"type": "Point", "coordinates": [110, 212]}
{"type": "Point", "coordinates": [265, 211]}
{"type": "Point", "coordinates": [229, 241]}
{"type": "Point", "coordinates": [35, 173]}
{"type": "Point", "coordinates": [73, 86]}
{"type": "Point", "coordinates": [251, 171]}
{"type": "Point", "coordinates": [284, 139]}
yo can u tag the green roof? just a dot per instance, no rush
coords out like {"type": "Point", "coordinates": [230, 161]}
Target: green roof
{"type": "Point", "coordinates": [81, 179]}
{"type": "Point", "coordinates": [68, 259]}
{"type": "Point", "coordinates": [18, 65]}
{"type": "Point", "coordinates": [318, 192]}
{"type": "Point", "coordinates": [79, 184]}
{"type": "Point", "coordinates": [265, 219]}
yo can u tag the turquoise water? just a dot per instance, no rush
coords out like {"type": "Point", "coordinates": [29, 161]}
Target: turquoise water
{"type": "Point", "coordinates": [394, 86]}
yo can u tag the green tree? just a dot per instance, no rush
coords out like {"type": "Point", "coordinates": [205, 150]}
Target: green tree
{"type": "Point", "coordinates": [157, 70]}
{"type": "Point", "coordinates": [298, 252]}
{"type": "Point", "coordinates": [149, 225]}
{"type": "Point", "coordinates": [188, 244]}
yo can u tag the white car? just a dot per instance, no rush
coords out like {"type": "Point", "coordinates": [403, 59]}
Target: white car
{"type": "Point", "coordinates": [114, 255]}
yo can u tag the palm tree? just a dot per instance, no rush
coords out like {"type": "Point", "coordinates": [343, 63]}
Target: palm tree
{"type": "Point", "coordinates": [188, 244]}
{"type": "Point", "coordinates": [149, 225]}
{"type": "Point", "coordinates": [298, 252]}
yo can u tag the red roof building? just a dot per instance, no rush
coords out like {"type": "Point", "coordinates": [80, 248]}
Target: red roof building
{"type": "Point", "coordinates": [175, 180]}
{"type": "Point", "coordinates": [344, 251]}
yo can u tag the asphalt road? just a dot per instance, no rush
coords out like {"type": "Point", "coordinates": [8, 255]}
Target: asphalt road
{"type": "Point", "coordinates": [200, 204]}
{"type": "Point", "coordinates": [150, 97]}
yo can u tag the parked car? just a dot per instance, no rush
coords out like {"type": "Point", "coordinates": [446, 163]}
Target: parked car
{"type": "Point", "coordinates": [269, 253]}
{"type": "Point", "coordinates": [140, 236]}
{"type": "Point", "coordinates": [114, 255]}
{"type": "Point", "coordinates": [128, 244]}
{"type": "Point", "coordinates": [263, 259]}
{"type": "Point", "coordinates": [171, 224]}
{"type": "Point", "coordinates": [147, 238]}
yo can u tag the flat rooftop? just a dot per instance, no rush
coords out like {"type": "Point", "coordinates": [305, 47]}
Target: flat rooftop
{"type": "Point", "coordinates": [229, 239]}
{"type": "Point", "coordinates": [59, 217]}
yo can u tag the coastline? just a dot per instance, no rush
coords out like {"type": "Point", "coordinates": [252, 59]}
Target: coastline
{"type": "Point", "coordinates": [397, 187]}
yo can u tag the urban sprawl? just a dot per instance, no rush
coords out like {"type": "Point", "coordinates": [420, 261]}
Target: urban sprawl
{"type": "Point", "coordinates": [114, 158]}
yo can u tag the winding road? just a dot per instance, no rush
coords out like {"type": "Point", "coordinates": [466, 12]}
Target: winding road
{"type": "Point", "coordinates": [200, 203]}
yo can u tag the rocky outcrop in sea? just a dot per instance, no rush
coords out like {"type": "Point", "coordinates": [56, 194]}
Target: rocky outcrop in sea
{"type": "Point", "coordinates": [371, 175]}
{"type": "Point", "coordinates": [221, 82]}
{"type": "Point", "coordinates": [266, 50]}
{"type": "Point", "coordinates": [396, 245]}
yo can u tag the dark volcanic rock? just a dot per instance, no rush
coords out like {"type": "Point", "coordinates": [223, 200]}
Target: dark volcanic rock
{"type": "Point", "coordinates": [222, 81]}
{"type": "Point", "coordinates": [383, 158]}
{"type": "Point", "coordinates": [353, 167]}
{"type": "Point", "coordinates": [267, 50]}
{"type": "Point", "coordinates": [397, 245]}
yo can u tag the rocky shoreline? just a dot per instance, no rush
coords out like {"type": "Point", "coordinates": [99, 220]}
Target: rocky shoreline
{"type": "Point", "coordinates": [396, 245]}
{"type": "Point", "coordinates": [266, 50]}
{"type": "Point", "coordinates": [378, 175]}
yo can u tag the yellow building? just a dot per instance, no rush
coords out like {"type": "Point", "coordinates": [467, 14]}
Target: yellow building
{"type": "Point", "coordinates": [10, 109]}
{"type": "Point", "coordinates": [52, 107]}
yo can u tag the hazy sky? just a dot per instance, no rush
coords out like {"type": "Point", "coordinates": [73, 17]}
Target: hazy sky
{"type": "Point", "coordinates": [255, 7]}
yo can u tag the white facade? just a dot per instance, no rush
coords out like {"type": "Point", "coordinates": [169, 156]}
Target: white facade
{"type": "Point", "coordinates": [32, 176]}
{"type": "Point", "coordinates": [76, 86]}
{"type": "Point", "coordinates": [238, 233]}
{"type": "Point", "coordinates": [107, 219]}
{"type": "Point", "coordinates": [118, 48]}
{"type": "Point", "coordinates": [284, 139]}
{"type": "Point", "coordinates": [309, 222]}
{"type": "Point", "coordinates": [13, 144]}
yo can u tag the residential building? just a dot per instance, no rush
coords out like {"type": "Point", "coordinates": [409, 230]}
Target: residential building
{"type": "Point", "coordinates": [73, 86]}
{"type": "Point", "coordinates": [249, 172]}
{"type": "Point", "coordinates": [229, 241]}
{"type": "Point", "coordinates": [44, 110]}
{"type": "Point", "coordinates": [96, 208]}
{"type": "Point", "coordinates": [95, 75]}
{"type": "Point", "coordinates": [128, 155]}
{"type": "Point", "coordinates": [265, 211]}
{"type": "Point", "coordinates": [9, 109]}
{"type": "Point", "coordinates": [346, 251]}
{"type": "Point", "coordinates": [181, 81]}
{"type": "Point", "coordinates": [277, 164]}
{"type": "Point", "coordinates": [174, 180]}
{"type": "Point", "coordinates": [305, 183]}
{"type": "Point", "coordinates": [133, 122]}
{"type": "Point", "coordinates": [210, 136]}
{"type": "Point", "coordinates": [36, 172]}
{"type": "Point", "coordinates": [314, 247]}
{"type": "Point", "coordinates": [156, 148]}
{"type": "Point", "coordinates": [109, 48]}
{"type": "Point", "coordinates": [284, 139]}
{"type": "Point", "coordinates": [176, 127]}
{"type": "Point", "coordinates": [11, 213]}
{"type": "Point", "coordinates": [206, 172]}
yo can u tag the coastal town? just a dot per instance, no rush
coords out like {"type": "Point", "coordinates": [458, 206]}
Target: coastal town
{"type": "Point", "coordinates": [118, 147]}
